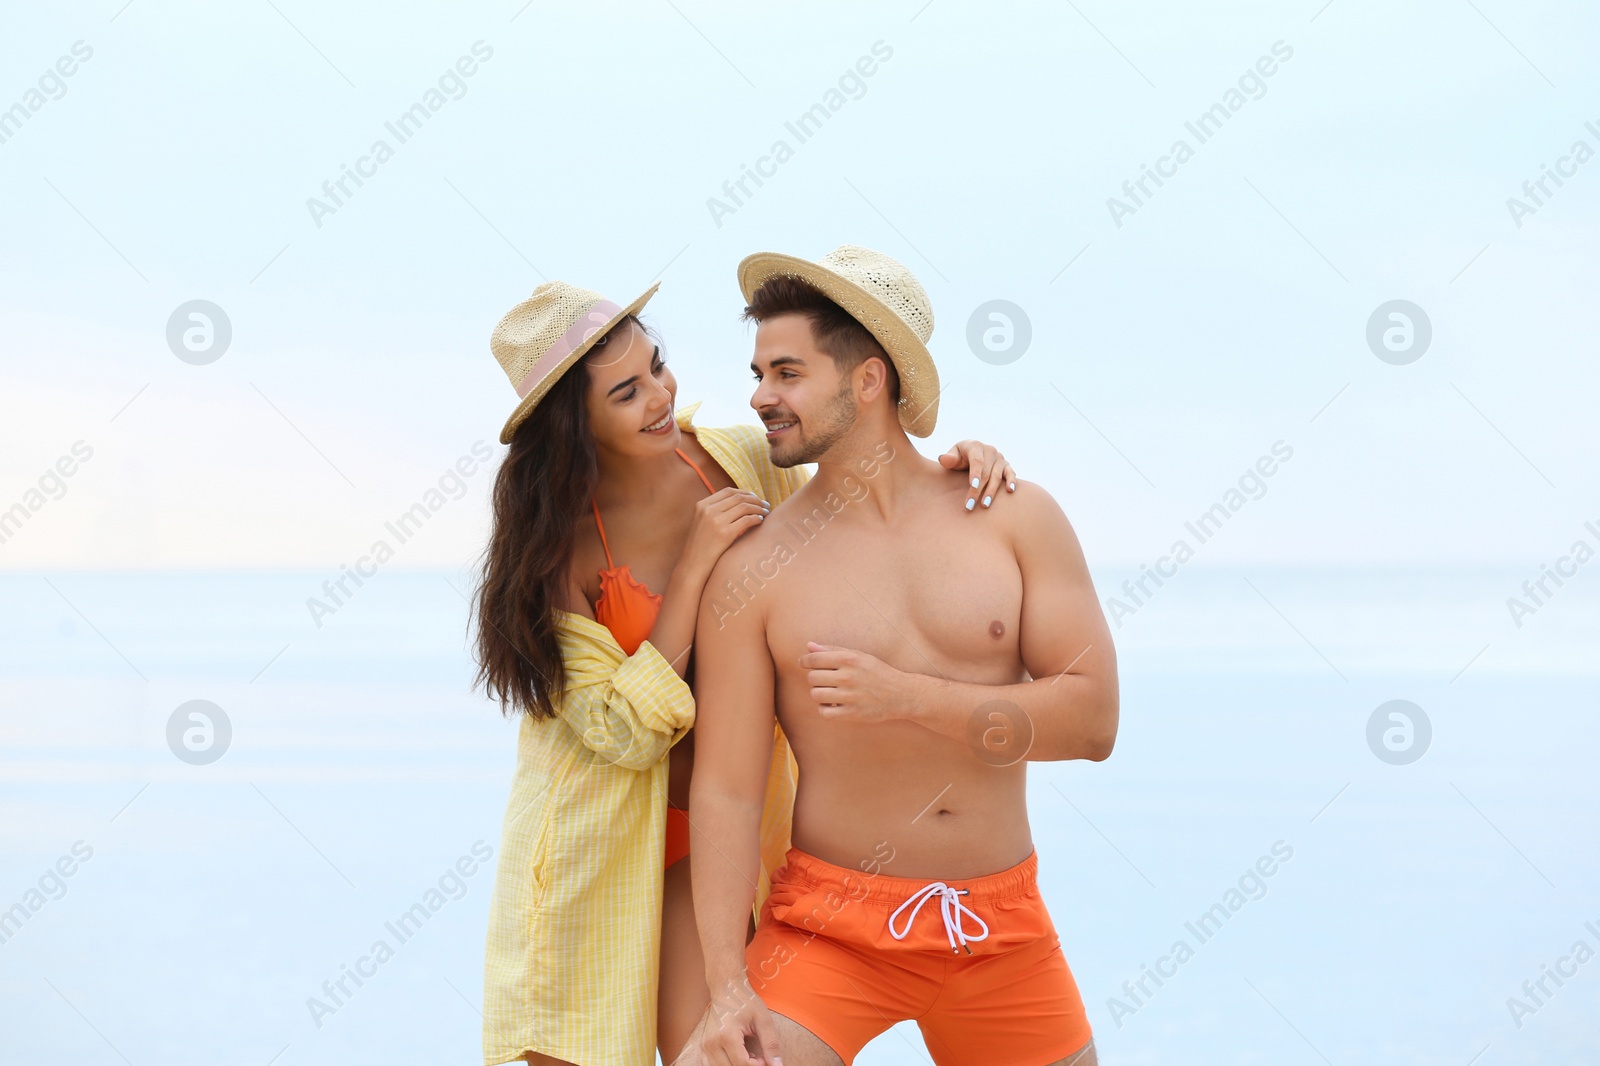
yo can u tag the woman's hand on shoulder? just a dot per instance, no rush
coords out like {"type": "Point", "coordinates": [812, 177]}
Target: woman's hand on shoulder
{"type": "Point", "coordinates": [988, 471]}
{"type": "Point", "coordinates": [719, 520]}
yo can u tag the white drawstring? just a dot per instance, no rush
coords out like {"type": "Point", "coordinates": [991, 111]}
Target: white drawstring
{"type": "Point", "coordinates": [950, 909]}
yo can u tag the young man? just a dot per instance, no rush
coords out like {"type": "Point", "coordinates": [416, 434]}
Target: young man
{"type": "Point", "coordinates": [910, 891]}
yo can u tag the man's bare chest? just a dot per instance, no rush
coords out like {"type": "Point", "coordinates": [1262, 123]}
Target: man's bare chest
{"type": "Point", "coordinates": [940, 598]}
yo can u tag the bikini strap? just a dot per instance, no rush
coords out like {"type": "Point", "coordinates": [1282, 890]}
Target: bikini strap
{"type": "Point", "coordinates": [601, 527]}
{"type": "Point", "coordinates": [697, 470]}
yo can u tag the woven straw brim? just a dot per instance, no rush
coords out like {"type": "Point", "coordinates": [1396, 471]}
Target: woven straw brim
{"type": "Point", "coordinates": [530, 401]}
{"type": "Point", "coordinates": [919, 378]}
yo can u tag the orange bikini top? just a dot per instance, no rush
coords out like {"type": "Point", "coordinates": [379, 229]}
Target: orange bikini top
{"type": "Point", "coordinates": [627, 607]}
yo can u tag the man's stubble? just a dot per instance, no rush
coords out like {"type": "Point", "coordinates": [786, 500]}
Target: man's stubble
{"type": "Point", "coordinates": [836, 419]}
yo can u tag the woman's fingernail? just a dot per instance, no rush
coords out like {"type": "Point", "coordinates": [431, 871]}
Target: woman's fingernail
{"type": "Point", "coordinates": [1012, 485]}
{"type": "Point", "coordinates": [974, 482]}
{"type": "Point", "coordinates": [970, 503]}
{"type": "Point", "coordinates": [986, 500]}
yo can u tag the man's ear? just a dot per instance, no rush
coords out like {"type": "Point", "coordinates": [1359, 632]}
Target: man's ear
{"type": "Point", "coordinates": [874, 377]}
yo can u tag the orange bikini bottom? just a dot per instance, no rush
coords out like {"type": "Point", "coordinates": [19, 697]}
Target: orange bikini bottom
{"type": "Point", "coordinates": [677, 836]}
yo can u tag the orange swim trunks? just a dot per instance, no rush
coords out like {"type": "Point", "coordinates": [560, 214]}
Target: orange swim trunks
{"type": "Point", "coordinates": [975, 961]}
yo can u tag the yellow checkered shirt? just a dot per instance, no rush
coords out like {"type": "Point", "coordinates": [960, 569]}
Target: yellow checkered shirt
{"type": "Point", "coordinates": [574, 940]}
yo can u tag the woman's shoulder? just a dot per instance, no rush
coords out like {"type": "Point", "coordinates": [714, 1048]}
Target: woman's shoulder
{"type": "Point", "coordinates": [745, 445]}
{"type": "Point", "coordinates": [744, 441]}
{"type": "Point", "coordinates": [751, 440]}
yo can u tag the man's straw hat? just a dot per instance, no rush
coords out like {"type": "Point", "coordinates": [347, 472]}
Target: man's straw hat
{"type": "Point", "coordinates": [539, 339]}
{"type": "Point", "coordinates": [882, 295]}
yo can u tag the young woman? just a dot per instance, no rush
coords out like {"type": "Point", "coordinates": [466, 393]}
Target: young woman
{"type": "Point", "coordinates": [608, 492]}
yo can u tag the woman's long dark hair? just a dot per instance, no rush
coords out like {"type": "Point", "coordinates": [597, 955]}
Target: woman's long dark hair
{"type": "Point", "coordinates": [540, 493]}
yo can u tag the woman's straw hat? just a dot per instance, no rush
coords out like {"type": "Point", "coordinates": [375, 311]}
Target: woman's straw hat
{"type": "Point", "coordinates": [539, 339]}
{"type": "Point", "coordinates": [882, 295]}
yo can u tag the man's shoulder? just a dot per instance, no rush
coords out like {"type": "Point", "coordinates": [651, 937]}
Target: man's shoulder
{"type": "Point", "coordinates": [1030, 499]}
{"type": "Point", "coordinates": [744, 554]}
{"type": "Point", "coordinates": [735, 582]}
{"type": "Point", "coordinates": [1037, 524]}
{"type": "Point", "coordinates": [1009, 511]}
{"type": "Point", "coordinates": [763, 540]}
{"type": "Point", "coordinates": [1030, 508]}
{"type": "Point", "coordinates": [1027, 519]}
{"type": "Point", "coordinates": [747, 548]}
{"type": "Point", "coordinates": [809, 495]}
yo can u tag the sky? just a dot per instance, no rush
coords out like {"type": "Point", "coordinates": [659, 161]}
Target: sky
{"type": "Point", "coordinates": [1358, 154]}
{"type": "Point", "coordinates": [1346, 317]}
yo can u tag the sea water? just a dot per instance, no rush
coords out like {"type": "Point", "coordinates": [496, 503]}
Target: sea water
{"type": "Point", "coordinates": [1415, 911]}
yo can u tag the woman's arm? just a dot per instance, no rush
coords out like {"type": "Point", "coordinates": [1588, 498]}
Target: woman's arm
{"type": "Point", "coordinates": [629, 713]}
{"type": "Point", "coordinates": [629, 710]}
{"type": "Point", "coordinates": [719, 520]}
{"type": "Point", "coordinates": [673, 632]}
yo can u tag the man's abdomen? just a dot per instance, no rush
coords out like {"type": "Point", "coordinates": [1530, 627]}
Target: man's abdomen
{"type": "Point", "coordinates": [918, 806]}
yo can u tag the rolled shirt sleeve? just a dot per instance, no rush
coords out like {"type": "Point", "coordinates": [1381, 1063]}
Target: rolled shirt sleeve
{"type": "Point", "coordinates": [628, 710]}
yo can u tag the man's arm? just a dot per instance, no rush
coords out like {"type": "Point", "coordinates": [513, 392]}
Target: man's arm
{"type": "Point", "coordinates": [734, 697]}
{"type": "Point", "coordinates": [1069, 712]}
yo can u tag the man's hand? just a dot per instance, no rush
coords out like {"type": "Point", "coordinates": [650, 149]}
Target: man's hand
{"type": "Point", "coordinates": [850, 685]}
{"type": "Point", "coordinates": [736, 1019]}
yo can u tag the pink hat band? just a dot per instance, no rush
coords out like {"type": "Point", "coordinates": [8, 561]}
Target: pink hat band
{"type": "Point", "coordinates": [588, 324]}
